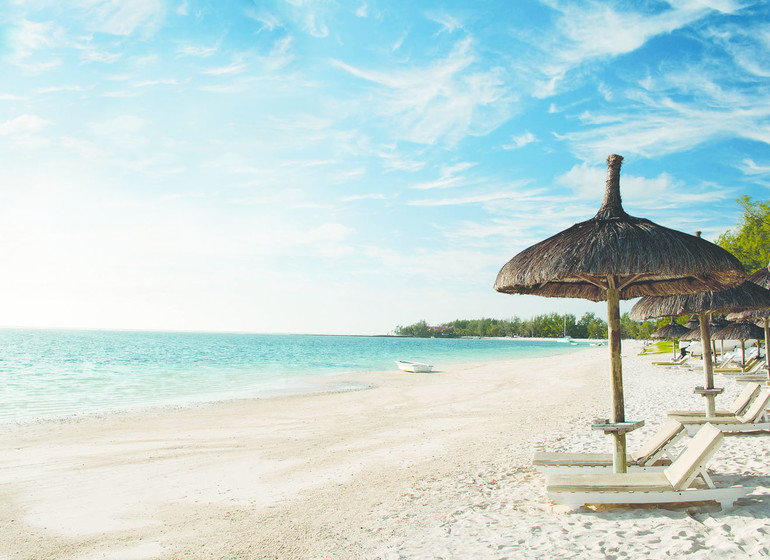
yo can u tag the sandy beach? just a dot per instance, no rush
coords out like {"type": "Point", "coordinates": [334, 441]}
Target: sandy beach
{"type": "Point", "coordinates": [417, 466]}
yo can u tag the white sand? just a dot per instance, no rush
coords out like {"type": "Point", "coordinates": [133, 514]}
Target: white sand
{"type": "Point", "coordinates": [420, 466]}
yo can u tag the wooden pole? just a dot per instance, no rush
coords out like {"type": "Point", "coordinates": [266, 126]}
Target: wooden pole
{"type": "Point", "coordinates": [743, 354]}
{"type": "Point", "coordinates": [767, 348]}
{"type": "Point", "coordinates": [616, 371]}
{"type": "Point", "coordinates": [705, 338]}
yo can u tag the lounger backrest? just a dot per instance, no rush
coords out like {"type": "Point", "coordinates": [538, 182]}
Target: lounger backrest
{"type": "Point", "coordinates": [756, 409]}
{"type": "Point", "coordinates": [655, 445]}
{"type": "Point", "coordinates": [695, 457]}
{"type": "Point", "coordinates": [743, 400]}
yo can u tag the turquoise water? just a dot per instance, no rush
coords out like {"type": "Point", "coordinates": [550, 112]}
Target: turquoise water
{"type": "Point", "coordinates": [53, 374]}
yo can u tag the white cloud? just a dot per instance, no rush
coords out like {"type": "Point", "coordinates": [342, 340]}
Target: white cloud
{"type": "Point", "coordinates": [197, 50]}
{"type": "Point", "coordinates": [236, 67]}
{"type": "Point", "coordinates": [315, 26]}
{"type": "Point", "coordinates": [446, 100]}
{"type": "Point", "coordinates": [362, 11]}
{"type": "Point", "coordinates": [448, 23]}
{"type": "Point", "coordinates": [594, 30]}
{"type": "Point", "coordinates": [655, 193]}
{"type": "Point", "coordinates": [23, 124]}
{"type": "Point", "coordinates": [520, 141]}
{"type": "Point", "coordinates": [750, 167]}
{"type": "Point", "coordinates": [280, 56]}
{"type": "Point", "coordinates": [662, 126]}
{"type": "Point", "coordinates": [94, 55]}
{"type": "Point", "coordinates": [124, 17]}
{"type": "Point", "coordinates": [268, 22]}
{"type": "Point", "coordinates": [448, 177]}
{"type": "Point", "coordinates": [588, 181]}
{"type": "Point", "coordinates": [28, 40]}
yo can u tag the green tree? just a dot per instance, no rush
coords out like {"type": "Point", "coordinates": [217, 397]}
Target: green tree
{"type": "Point", "coordinates": [750, 241]}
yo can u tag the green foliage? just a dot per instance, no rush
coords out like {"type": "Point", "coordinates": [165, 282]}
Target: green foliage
{"type": "Point", "coordinates": [551, 325]}
{"type": "Point", "coordinates": [750, 241]}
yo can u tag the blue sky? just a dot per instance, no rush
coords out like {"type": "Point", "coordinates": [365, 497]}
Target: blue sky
{"type": "Point", "coordinates": [345, 167]}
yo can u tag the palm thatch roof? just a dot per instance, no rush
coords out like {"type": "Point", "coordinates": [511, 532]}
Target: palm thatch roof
{"type": "Point", "coordinates": [692, 322]}
{"type": "Point", "coordinates": [671, 330]}
{"type": "Point", "coordinates": [741, 298]}
{"type": "Point", "coordinates": [742, 330]}
{"type": "Point", "coordinates": [691, 335]}
{"type": "Point", "coordinates": [761, 277]}
{"type": "Point", "coordinates": [754, 315]}
{"type": "Point", "coordinates": [647, 259]}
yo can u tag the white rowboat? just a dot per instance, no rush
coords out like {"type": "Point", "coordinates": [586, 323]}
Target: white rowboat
{"type": "Point", "coordinates": [414, 367]}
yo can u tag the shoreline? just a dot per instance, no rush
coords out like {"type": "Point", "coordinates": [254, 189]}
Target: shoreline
{"type": "Point", "coordinates": [418, 466]}
{"type": "Point", "coordinates": [273, 387]}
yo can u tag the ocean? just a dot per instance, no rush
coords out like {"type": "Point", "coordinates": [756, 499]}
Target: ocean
{"type": "Point", "coordinates": [47, 374]}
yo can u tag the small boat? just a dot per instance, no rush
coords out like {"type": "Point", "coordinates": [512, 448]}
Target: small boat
{"type": "Point", "coordinates": [413, 367]}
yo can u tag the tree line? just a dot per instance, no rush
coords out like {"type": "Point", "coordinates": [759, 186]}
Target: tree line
{"type": "Point", "coordinates": [550, 325]}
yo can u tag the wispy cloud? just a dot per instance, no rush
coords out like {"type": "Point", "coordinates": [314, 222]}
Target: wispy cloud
{"type": "Point", "coordinates": [594, 31]}
{"type": "Point", "coordinates": [200, 51]}
{"type": "Point", "coordinates": [520, 141]}
{"type": "Point", "coordinates": [655, 124]}
{"type": "Point", "coordinates": [124, 17]}
{"type": "Point", "coordinates": [447, 22]}
{"type": "Point", "coordinates": [449, 176]}
{"type": "Point", "coordinates": [750, 167]}
{"type": "Point", "coordinates": [444, 101]}
{"type": "Point", "coordinates": [235, 67]}
{"type": "Point", "coordinates": [23, 124]}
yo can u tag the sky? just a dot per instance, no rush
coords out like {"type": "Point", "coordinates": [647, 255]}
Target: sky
{"type": "Point", "coordinates": [320, 166]}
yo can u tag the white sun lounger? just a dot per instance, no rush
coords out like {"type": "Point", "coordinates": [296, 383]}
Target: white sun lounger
{"type": "Point", "coordinates": [676, 484]}
{"type": "Point", "coordinates": [755, 364]}
{"type": "Point", "coordinates": [678, 362]}
{"type": "Point", "coordinates": [755, 419]}
{"type": "Point", "coordinates": [655, 454]}
{"type": "Point", "coordinates": [740, 404]}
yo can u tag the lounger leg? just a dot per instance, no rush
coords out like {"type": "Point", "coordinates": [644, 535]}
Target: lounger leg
{"type": "Point", "coordinates": [619, 456]}
{"type": "Point", "coordinates": [726, 504]}
{"type": "Point", "coordinates": [710, 405]}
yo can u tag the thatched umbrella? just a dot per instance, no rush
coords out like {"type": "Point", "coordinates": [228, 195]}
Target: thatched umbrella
{"type": "Point", "coordinates": [691, 336]}
{"type": "Point", "coordinates": [743, 331]}
{"type": "Point", "coordinates": [672, 330]}
{"type": "Point", "coordinates": [615, 256]}
{"type": "Point", "coordinates": [744, 297]}
{"type": "Point", "coordinates": [761, 277]}
{"type": "Point", "coordinates": [762, 317]}
{"type": "Point", "coordinates": [717, 323]}
{"type": "Point", "coordinates": [692, 322]}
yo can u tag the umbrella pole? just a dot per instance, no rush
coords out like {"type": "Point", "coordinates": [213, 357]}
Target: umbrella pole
{"type": "Point", "coordinates": [705, 338]}
{"type": "Point", "coordinates": [743, 355]}
{"type": "Point", "coordinates": [767, 346]}
{"type": "Point", "coordinates": [618, 407]}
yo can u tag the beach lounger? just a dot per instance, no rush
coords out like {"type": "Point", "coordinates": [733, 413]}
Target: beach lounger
{"type": "Point", "coordinates": [755, 419]}
{"type": "Point", "coordinates": [751, 366]}
{"type": "Point", "coordinates": [677, 484]}
{"type": "Point", "coordinates": [740, 404]}
{"type": "Point", "coordinates": [655, 454]}
{"type": "Point", "coordinates": [678, 362]}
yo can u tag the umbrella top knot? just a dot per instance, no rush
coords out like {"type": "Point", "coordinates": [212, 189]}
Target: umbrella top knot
{"type": "Point", "coordinates": [611, 206]}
